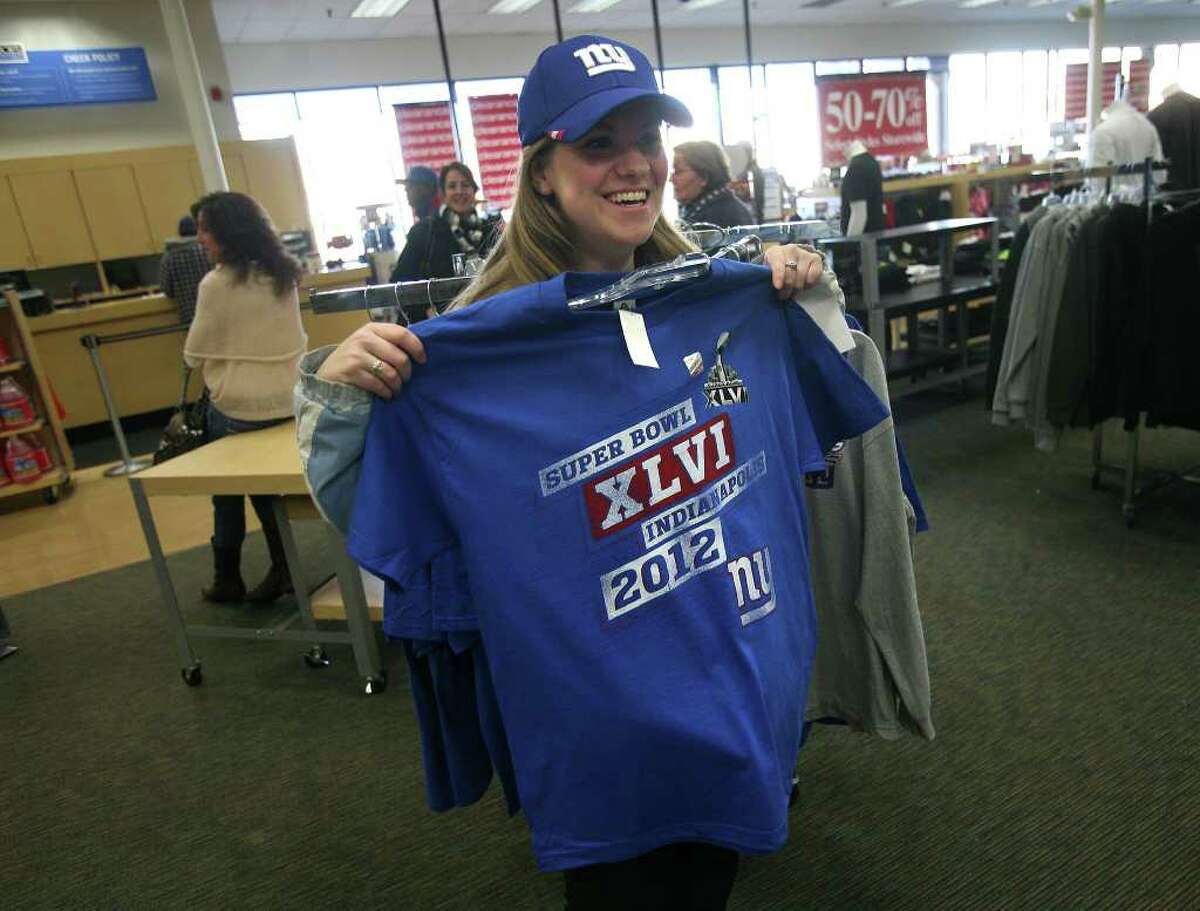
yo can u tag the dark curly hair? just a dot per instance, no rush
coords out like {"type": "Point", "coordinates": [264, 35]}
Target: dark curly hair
{"type": "Point", "coordinates": [248, 242]}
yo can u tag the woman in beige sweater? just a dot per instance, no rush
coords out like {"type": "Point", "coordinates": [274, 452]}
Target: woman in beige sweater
{"type": "Point", "coordinates": [247, 339]}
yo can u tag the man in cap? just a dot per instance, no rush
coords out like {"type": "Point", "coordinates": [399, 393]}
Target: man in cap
{"type": "Point", "coordinates": [420, 188]}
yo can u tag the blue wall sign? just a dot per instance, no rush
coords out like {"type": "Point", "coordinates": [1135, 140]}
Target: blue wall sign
{"type": "Point", "coordinates": [92, 76]}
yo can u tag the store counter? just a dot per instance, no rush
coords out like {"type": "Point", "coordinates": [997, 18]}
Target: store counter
{"type": "Point", "coordinates": [145, 373]}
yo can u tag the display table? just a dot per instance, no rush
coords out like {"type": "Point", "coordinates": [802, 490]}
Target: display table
{"type": "Point", "coordinates": [145, 374]}
{"type": "Point", "coordinates": [262, 462]}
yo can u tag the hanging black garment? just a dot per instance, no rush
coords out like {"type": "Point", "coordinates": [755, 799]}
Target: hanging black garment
{"type": "Point", "coordinates": [1073, 347]}
{"type": "Point", "coordinates": [1178, 122]}
{"type": "Point", "coordinates": [717, 207]}
{"type": "Point", "coordinates": [1172, 368]}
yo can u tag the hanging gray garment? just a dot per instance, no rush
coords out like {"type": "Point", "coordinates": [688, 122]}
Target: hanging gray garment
{"type": "Point", "coordinates": [1012, 381]}
{"type": "Point", "coordinates": [870, 669]}
{"type": "Point", "coordinates": [1069, 236]}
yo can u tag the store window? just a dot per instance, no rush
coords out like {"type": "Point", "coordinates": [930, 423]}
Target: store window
{"type": "Point", "coordinates": [794, 125]}
{"type": "Point", "coordinates": [968, 85]}
{"type": "Point", "coordinates": [837, 67]}
{"type": "Point", "coordinates": [883, 65]}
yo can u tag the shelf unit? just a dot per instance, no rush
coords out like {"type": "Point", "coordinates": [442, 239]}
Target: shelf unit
{"type": "Point", "coordinates": [950, 358]}
{"type": "Point", "coordinates": [47, 427]}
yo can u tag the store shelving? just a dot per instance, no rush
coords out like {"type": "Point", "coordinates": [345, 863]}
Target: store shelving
{"type": "Point", "coordinates": [950, 357]}
{"type": "Point", "coordinates": [48, 426]}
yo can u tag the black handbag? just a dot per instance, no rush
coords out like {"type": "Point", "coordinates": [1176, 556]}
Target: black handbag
{"type": "Point", "coordinates": [188, 427]}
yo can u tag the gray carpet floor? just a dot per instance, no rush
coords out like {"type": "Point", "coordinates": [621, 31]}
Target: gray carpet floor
{"type": "Point", "coordinates": [1066, 773]}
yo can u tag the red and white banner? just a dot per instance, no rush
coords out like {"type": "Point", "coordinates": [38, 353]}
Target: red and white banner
{"type": "Point", "coordinates": [885, 112]}
{"type": "Point", "coordinates": [498, 145]}
{"type": "Point", "coordinates": [426, 134]}
{"type": "Point", "coordinates": [1139, 84]}
{"type": "Point", "coordinates": [1075, 90]}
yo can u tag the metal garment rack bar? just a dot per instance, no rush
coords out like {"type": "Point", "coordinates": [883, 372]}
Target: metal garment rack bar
{"type": "Point", "coordinates": [1131, 490]}
{"type": "Point", "coordinates": [411, 300]}
{"type": "Point", "coordinates": [365, 649]}
{"type": "Point", "coordinates": [944, 365]}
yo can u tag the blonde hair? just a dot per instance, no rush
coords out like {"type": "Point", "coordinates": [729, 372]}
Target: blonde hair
{"type": "Point", "coordinates": [536, 244]}
{"type": "Point", "coordinates": [708, 160]}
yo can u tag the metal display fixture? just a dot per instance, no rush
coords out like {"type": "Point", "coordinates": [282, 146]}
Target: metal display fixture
{"type": "Point", "coordinates": [949, 363]}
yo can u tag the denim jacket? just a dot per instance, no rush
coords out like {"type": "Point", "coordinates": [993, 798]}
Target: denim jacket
{"type": "Point", "coordinates": [331, 428]}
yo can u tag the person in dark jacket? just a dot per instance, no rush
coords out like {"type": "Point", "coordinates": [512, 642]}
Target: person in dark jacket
{"type": "Point", "coordinates": [700, 178]}
{"type": "Point", "coordinates": [457, 228]}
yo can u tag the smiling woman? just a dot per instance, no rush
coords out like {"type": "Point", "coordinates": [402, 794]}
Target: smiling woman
{"type": "Point", "coordinates": [589, 198]}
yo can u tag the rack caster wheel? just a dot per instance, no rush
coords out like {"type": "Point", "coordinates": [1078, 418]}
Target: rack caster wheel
{"type": "Point", "coordinates": [192, 676]}
{"type": "Point", "coordinates": [376, 684]}
{"type": "Point", "coordinates": [316, 657]}
{"type": "Point", "coordinates": [50, 495]}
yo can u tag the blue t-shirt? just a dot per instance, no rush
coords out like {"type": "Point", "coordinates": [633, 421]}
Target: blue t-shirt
{"type": "Point", "coordinates": [634, 541]}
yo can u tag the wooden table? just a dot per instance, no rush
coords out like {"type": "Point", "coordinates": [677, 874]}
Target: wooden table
{"type": "Point", "coordinates": [262, 462]}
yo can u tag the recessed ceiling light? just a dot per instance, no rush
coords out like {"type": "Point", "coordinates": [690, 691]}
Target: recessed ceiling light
{"type": "Point", "coordinates": [513, 6]}
{"type": "Point", "coordinates": [699, 4]}
{"type": "Point", "coordinates": [896, 4]}
{"type": "Point", "coordinates": [592, 6]}
{"type": "Point", "coordinates": [377, 9]}
{"type": "Point", "coordinates": [975, 4]}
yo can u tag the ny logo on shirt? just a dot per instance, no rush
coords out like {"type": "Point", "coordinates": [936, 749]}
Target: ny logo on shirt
{"type": "Point", "coordinates": [602, 58]}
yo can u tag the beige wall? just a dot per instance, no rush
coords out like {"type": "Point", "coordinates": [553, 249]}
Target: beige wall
{"type": "Point", "coordinates": [49, 26]}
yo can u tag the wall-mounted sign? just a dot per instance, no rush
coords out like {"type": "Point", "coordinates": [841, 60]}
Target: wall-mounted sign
{"type": "Point", "coordinates": [426, 134]}
{"type": "Point", "coordinates": [108, 75]}
{"type": "Point", "coordinates": [885, 112]}
{"type": "Point", "coordinates": [498, 143]}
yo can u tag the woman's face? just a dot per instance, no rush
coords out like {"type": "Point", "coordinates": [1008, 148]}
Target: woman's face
{"type": "Point", "coordinates": [609, 186]}
{"type": "Point", "coordinates": [459, 192]}
{"type": "Point", "coordinates": [207, 241]}
{"type": "Point", "coordinates": [687, 184]}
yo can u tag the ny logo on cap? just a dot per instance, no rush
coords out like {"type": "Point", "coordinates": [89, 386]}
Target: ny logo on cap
{"type": "Point", "coordinates": [604, 58]}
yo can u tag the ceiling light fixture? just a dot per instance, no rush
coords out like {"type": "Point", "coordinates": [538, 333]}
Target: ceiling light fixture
{"type": "Point", "coordinates": [699, 4]}
{"type": "Point", "coordinates": [975, 4]}
{"type": "Point", "coordinates": [510, 7]}
{"type": "Point", "coordinates": [377, 9]}
{"type": "Point", "coordinates": [897, 4]}
{"type": "Point", "coordinates": [593, 6]}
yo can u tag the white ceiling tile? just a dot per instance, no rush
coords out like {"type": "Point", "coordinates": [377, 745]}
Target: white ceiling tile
{"type": "Point", "coordinates": [256, 31]}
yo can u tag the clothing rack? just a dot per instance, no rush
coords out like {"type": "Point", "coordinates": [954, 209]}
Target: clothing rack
{"type": "Point", "coordinates": [1130, 489]}
{"type": "Point", "coordinates": [412, 300]}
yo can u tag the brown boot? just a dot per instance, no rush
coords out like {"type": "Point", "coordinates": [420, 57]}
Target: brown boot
{"type": "Point", "coordinates": [227, 584]}
{"type": "Point", "coordinates": [277, 581]}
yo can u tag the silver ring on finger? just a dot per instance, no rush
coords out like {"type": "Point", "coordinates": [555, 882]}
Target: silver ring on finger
{"type": "Point", "coordinates": [377, 369]}
{"type": "Point", "coordinates": [791, 264]}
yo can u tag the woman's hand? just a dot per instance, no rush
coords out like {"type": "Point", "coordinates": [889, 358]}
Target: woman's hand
{"type": "Point", "coordinates": [793, 268]}
{"type": "Point", "coordinates": [378, 357]}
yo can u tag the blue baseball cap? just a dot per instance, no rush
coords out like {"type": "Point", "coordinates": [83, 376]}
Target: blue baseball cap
{"type": "Point", "coordinates": [576, 83]}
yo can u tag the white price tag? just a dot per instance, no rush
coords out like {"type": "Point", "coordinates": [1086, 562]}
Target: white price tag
{"type": "Point", "coordinates": [633, 327]}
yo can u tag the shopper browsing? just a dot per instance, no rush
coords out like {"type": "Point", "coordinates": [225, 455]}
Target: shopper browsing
{"type": "Point", "coordinates": [183, 267]}
{"type": "Point", "coordinates": [458, 228]}
{"type": "Point", "coordinates": [700, 178]}
{"type": "Point", "coordinates": [589, 199]}
{"type": "Point", "coordinates": [247, 339]}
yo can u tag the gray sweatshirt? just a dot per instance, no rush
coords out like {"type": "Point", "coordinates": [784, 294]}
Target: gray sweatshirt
{"type": "Point", "coordinates": [870, 669]}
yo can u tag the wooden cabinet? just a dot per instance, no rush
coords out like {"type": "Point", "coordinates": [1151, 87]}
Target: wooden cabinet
{"type": "Point", "coordinates": [74, 209]}
{"type": "Point", "coordinates": [167, 192]}
{"type": "Point", "coordinates": [235, 172]}
{"type": "Point", "coordinates": [275, 181]}
{"type": "Point", "coordinates": [113, 209]}
{"type": "Point", "coordinates": [14, 245]}
{"type": "Point", "coordinates": [53, 218]}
